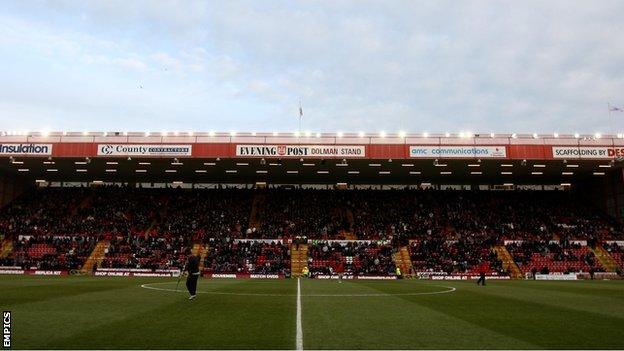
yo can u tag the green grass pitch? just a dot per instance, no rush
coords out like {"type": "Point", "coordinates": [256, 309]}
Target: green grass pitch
{"type": "Point", "coordinates": [117, 313]}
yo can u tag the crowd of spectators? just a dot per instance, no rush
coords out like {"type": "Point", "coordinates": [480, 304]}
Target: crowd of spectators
{"type": "Point", "coordinates": [151, 252]}
{"type": "Point", "coordinates": [617, 252]}
{"type": "Point", "coordinates": [50, 252]}
{"type": "Point", "coordinates": [553, 256]}
{"type": "Point", "coordinates": [247, 257]}
{"type": "Point", "coordinates": [285, 213]}
{"type": "Point", "coordinates": [352, 258]}
{"type": "Point", "coordinates": [465, 256]}
{"type": "Point", "coordinates": [473, 220]}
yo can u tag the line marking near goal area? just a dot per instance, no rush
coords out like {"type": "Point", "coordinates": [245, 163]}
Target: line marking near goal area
{"type": "Point", "coordinates": [299, 342]}
{"type": "Point", "coordinates": [449, 289]}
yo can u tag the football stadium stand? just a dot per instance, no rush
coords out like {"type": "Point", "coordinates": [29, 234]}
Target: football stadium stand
{"type": "Point", "coordinates": [451, 231]}
{"type": "Point", "coordinates": [261, 204]}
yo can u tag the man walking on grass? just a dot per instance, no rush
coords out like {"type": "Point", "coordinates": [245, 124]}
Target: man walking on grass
{"type": "Point", "coordinates": [193, 274]}
{"type": "Point", "coordinates": [481, 280]}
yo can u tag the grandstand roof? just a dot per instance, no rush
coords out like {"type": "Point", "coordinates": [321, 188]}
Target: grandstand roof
{"type": "Point", "coordinates": [465, 158]}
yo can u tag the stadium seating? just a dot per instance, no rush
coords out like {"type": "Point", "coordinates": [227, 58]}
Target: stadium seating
{"type": "Point", "coordinates": [150, 252]}
{"type": "Point", "coordinates": [464, 257]}
{"type": "Point", "coordinates": [449, 230]}
{"type": "Point", "coordinates": [553, 257]}
{"type": "Point", "coordinates": [616, 252]}
{"type": "Point", "coordinates": [47, 252]}
{"type": "Point", "coordinates": [247, 257]}
{"type": "Point", "coordinates": [354, 258]}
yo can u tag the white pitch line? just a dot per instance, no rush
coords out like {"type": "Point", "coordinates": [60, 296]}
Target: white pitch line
{"type": "Point", "coordinates": [299, 342]}
{"type": "Point", "coordinates": [450, 289]}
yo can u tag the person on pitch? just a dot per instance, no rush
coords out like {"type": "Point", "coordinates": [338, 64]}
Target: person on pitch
{"type": "Point", "coordinates": [481, 280]}
{"type": "Point", "coordinates": [192, 267]}
{"type": "Point", "coordinates": [340, 270]}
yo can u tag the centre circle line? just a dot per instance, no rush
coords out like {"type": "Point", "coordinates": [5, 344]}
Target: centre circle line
{"type": "Point", "coordinates": [449, 289]}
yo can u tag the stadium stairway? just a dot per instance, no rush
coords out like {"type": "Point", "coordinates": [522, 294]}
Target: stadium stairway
{"type": "Point", "coordinates": [298, 259]}
{"type": "Point", "coordinates": [254, 217]}
{"type": "Point", "coordinates": [605, 259]}
{"type": "Point", "coordinates": [348, 235]}
{"type": "Point", "coordinates": [402, 260]}
{"type": "Point", "coordinates": [6, 246]}
{"type": "Point", "coordinates": [202, 256]}
{"type": "Point", "coordinates": [201, 251]}
{"type": "Point", "coordinates": [96, 257]}
{"type": "Point", "coordinates": [508, 263]}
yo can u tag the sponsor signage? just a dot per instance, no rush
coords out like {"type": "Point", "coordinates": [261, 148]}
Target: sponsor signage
{"type": "Point", "coordinates": [599, 275]}
{"type": "Point", "coordinates": [588, 152]}
{"type": "Point", "coordinates": [135, 274]}
{"type": "Point", "coordinates": [46, 272]}
{"type": "Point", "coordinates": [223, 275]}
{"type": "Point", "coordinates": [348, 276]}
{"type": "Point", "coordinates": [26, 149]}
{"type": "Point", "coordinates": [571, 276]}
{"type": "Point", "coordinates": [458, 151]}
{"type": "Point", "coordinates": [243, 276]}
{"type": "Point", "coordinates": [468, 277]}
{"type": "Point", "coordinates": [18, 271]}
{"type": "Point", "coordinates": [143, 150]}
{"type": "Point", "coordinates": [377, 277]}
{"type": "Point", "coordinates": [130, 272]}
{"type": "Point", "coordinates": [264, 276]}
{"type": "Point", "coordinates": [11, 270]}
{"type": "Point", "coordinates": [325, 151]}
{"type": "Point", "coordinates": [332, 276]}
{"type": "Point", "coordinates": [267, 241]}
{"type": "Point", "coordinates": [617, 242]}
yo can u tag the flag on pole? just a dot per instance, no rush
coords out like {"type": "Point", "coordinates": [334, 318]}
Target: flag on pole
{"type": "Point", "coordinates": [300, 110]}
{"type": "Point", "coordinates": [616, 109]}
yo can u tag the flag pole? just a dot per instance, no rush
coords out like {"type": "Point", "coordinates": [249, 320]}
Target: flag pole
{"type": "Point", "coordinates": [610, 116]}
{"type": "Point", "coordinates": [300, 115]}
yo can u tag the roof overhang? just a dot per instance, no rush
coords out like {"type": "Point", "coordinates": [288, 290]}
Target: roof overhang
{"type": "Point", "coordinates": [265, 157]}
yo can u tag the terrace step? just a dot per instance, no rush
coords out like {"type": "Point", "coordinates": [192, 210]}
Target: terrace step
{"type": "Point", "coordinates": [200, 250]}
{"type": "Point", "coordinates": [96, 257]}
{"type": "Point", "coordinates": [255, 220]}
{"type": "Point", "coordinates": [149, 229]}
{"type": "Point", "coordinates": [348, 235]}
{"type": "Point", "coordinates": [203, 252]}
{"type": "Point", "coordinates": [298, 259]}
{"type": "Point", "coordinates": [508, 263]}
{"type": "Point", "coordinates": [605, 259]}
{"type": "Point", "coordinates": [6, 247]}
{"type": "Point", "coordinates": [403, 260]}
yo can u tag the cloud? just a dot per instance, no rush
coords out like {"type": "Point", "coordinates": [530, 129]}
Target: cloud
{"type": "Point", "coordinates": [434, 66]}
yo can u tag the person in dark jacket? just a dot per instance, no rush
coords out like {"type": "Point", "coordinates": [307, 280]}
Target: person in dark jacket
{"type": "Point", "coordinates": [481, 280]}
{"type": "Point", "coordinates": [192, 268]}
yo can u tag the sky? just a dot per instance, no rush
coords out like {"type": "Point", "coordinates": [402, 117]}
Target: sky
{"type": "Point", "coordinates": [414, 66]}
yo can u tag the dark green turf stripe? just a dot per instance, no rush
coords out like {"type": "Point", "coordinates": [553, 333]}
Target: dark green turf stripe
{"type": "Point", "coordinates": [540, 324]}
{"type": "Point", "coordinates": [209, 322]}
{"type": "Point", "coordinates": [595, 302]}
{"type": "Point", "coordinates": [388, 322]}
